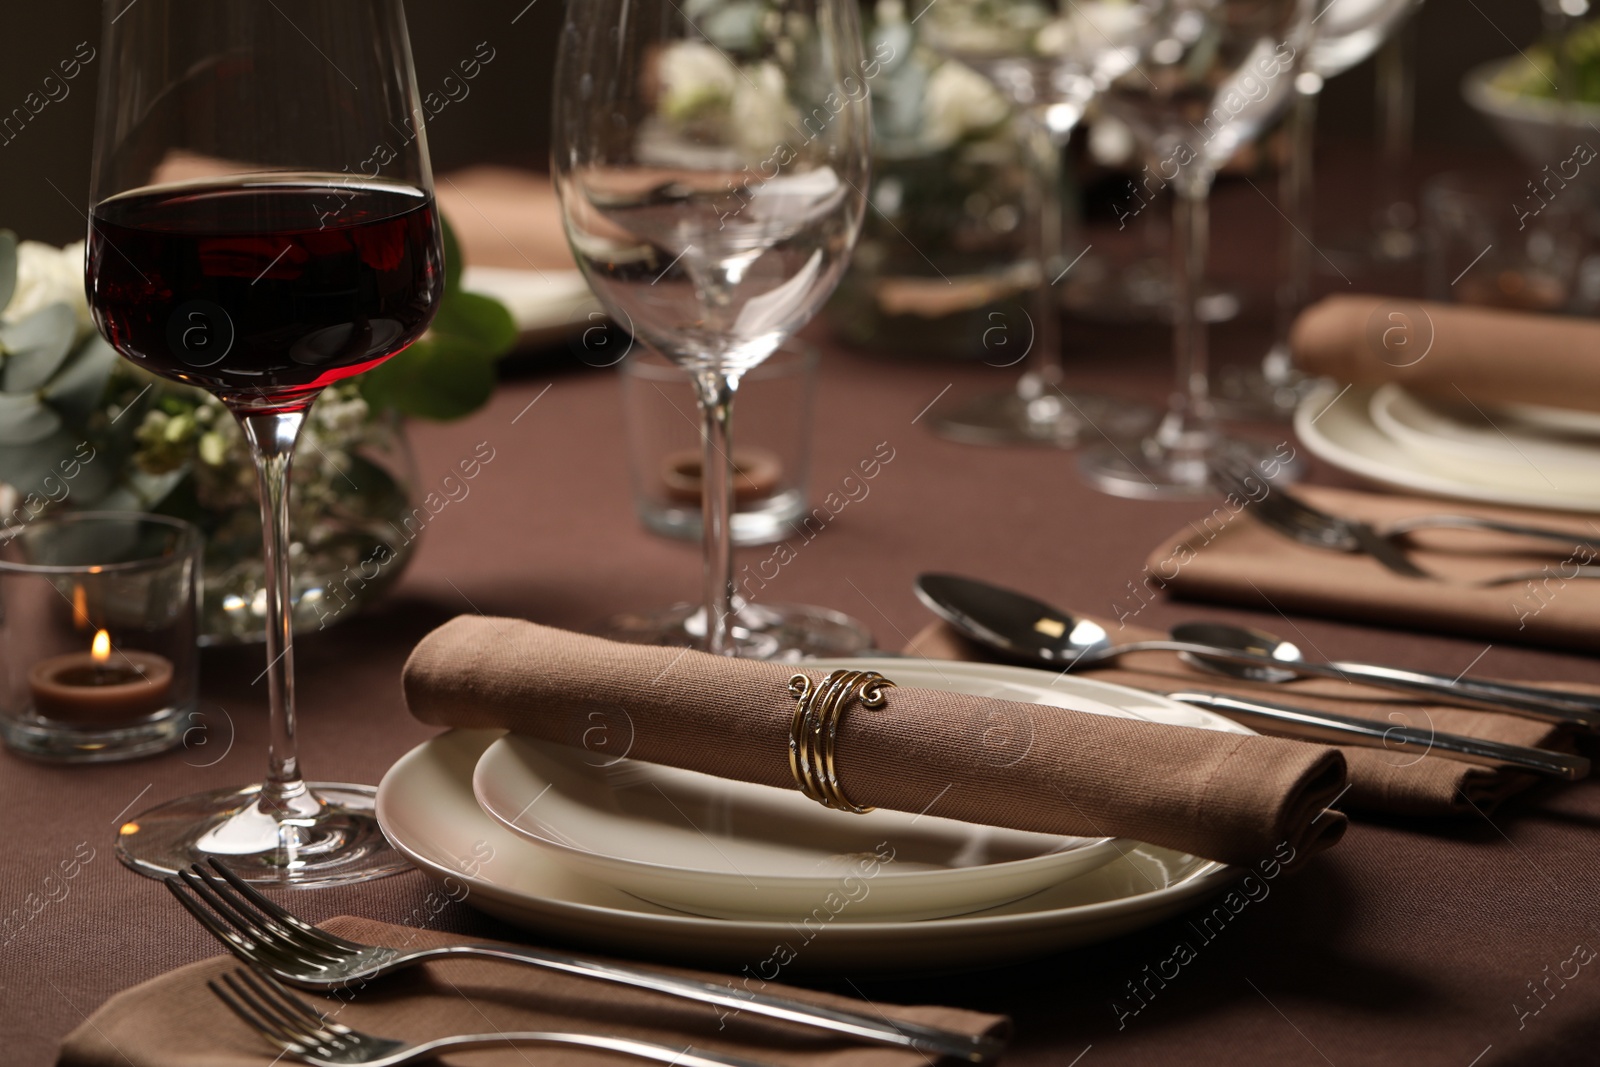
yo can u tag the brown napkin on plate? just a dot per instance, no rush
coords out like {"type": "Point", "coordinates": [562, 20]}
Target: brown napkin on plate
{"type": "Point", "coordinates": [175, 1021]}
{"type": "Point", "coordinates": [1491, 356]}
{"type": "Point", "coordinates": [1222, 796]}
{"type": "Point", "coordinates": [1397, 782]}
{"type": "Point", "coordinates": [505, 218]}
{"type": "Point", "coordinates": [1232, 558]}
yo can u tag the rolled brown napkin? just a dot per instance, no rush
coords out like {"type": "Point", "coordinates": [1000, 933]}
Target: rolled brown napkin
{"type": "Point", "coordinates": [1392, 782]}
{"type": "Point", "coordinates": [1223, 796]}
{"type": "Point", "coordinates": [505, 217]}
{"type": "Point", "coordinates": [1231, 558]}
{"type": "Point", "coordinates": [175, 1021]}
{"type": "Point", "coordinates": [1491, 356]}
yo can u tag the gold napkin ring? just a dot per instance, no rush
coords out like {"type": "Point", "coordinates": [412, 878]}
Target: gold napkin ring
{"type": "Point", "coordinates": [814, 730]}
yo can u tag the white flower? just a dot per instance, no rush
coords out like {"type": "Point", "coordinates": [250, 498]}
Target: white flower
{"type": "Point", "coordinates": [695, 77]}
{"type": "Point", "coordinates": [761, 113]}
{"type": "Point", "coordinates": [959, 101]}
{"type": "Point", "coordinates": [49, 275]}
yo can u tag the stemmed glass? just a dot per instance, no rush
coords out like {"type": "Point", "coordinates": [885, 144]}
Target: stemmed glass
{"type": "Point", "coordinates": [262, 226]}
{"type": "Point", "coordinates": [1050, 57]}
{"type": "Point", "coordinates": [1213, 74]}
{"type": "Point", "coordinates": [1343, 33]}
{"type": "Point", "coordinates": [711, 161]}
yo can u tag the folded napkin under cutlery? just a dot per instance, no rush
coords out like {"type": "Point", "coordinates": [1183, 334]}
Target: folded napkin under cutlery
{"type": "Point", "coordinates": [1488, 355]}
{"type": "Point", "coordinates": [1229, 557]}
{"type": "Point", "coordinates": [175, 1021]}
{"type": "Point", "coordinates": [1401, 781]}
{"type": "Point", "coordinates": [1222, 796]}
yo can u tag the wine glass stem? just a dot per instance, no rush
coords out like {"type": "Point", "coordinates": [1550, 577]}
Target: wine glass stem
{"type": "Point", "coordinates": [1396, 115]}
{"type": "Point", "coordinates": [272, 436]}
{"type": "Point", "coordinates": [1044, 370]}
{"type": "Point", "coordinates": [716, 391]}
{"type": "Point", "coordinates": [1295, 191]}
{"type": "Point", "coordinates": [1188, 425]}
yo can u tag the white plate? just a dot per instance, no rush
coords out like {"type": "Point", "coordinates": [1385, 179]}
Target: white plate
{"type": "Point", "coordinates": [733, 850]}
{"type": "Point", "coordinates": [427, 810]}
{"type": "Point", "coordinates": [1497, 450]}
{"type": "Point", "coordinates": [1336, 425]}
{"type": "Point", "coordinates": [547, 305]}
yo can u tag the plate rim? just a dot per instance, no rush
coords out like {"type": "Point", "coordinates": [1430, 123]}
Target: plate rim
{"type": "Point", "coordinates": [1210, 875]}
{"type": "Point", "coordinates": [1308, 420]}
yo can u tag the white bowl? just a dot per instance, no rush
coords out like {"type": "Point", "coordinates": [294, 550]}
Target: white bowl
{"type": "Point", "coordinates": [1538, 130]}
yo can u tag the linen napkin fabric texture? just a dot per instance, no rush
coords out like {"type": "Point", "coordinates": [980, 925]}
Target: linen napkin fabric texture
{"type": "Point", "coordinates": [1222, 796]}
{"type": "Point", "coordinates": [1489, 355]}
{"type": "Point", "coordinates": [1230, 557]}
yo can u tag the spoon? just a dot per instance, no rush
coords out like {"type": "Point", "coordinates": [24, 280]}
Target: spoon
{"type": "Point", "coordinates": [1030, 631]}
{"type": "Point", "coordinates": [1262, 643]}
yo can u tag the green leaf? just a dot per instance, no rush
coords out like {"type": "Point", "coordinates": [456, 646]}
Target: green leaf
{"type": "Point", "coordinates": [452, 258]}
{"type": "Point", "coordinates": [77, 391]}
{"type": "Point", "coordinates": [440, 377]}
{"type": "Point", "coordinates": [37, 346]}
{"type": "Point", "coordinates": [25, 421]}
{"type": "Point", "coordinates": [8, 267]}
{"type": "Point", "coordinates": [476, 319]}
{"type": "Point", "coordinates": [26, 467]}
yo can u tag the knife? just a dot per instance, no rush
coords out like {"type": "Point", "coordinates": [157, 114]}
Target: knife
{"type": "Point", "coordinates": [1304, 725]}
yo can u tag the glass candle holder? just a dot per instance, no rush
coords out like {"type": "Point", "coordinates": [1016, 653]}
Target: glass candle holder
{"type": "Point", "coordinates": [771, 445]}
{"type": "Point", "coordinates": [98, 635]}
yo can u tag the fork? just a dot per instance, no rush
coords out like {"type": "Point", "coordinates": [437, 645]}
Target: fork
{"type": "Point", "coordinates": [296, 1029]}
{"type": "Point", "coordinates": [1280, 509]}
{"type": "Point", "coordinates": [261, 933]}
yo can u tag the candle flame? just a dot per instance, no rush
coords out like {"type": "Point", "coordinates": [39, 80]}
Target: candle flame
{"type": "Point", "coordinates": [101, 651]}
{"type": "Point", "coordinates": [80, 608]}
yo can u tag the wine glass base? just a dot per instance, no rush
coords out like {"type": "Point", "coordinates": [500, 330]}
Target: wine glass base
{"type": "Point", "coordinates": [335, 841]}
{"type": "Point", "coordinates": [1146, 470]}
{"type": "Point", "coordinates": [1247, 394]}
{"type": "Point", "coordinates": [1055, 419]}
{"type": "Point", "coordinates": [785, 632]}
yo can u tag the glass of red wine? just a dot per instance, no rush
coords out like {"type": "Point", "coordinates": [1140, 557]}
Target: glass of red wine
{"type": "Point", "coordinates": [263, 225]}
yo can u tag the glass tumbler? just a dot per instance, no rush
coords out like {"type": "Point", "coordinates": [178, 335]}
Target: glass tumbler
{"type": "Point", "coordinates": [771, 448]}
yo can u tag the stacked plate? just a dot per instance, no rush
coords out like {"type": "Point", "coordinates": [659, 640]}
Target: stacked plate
{"type": "Point", "coordinates": [643, 859]}
{"type": "Point", "coordinates": [1515, 455]}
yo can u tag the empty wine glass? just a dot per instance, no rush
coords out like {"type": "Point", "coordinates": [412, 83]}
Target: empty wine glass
{"type": "Point", "coordinates": [1342, 34]}
{"type": "Point", "coordinates": [711, 159]}
{"type": "Point", "coordinates": [1051, 57]}
{"type": "Point", "coordinates": [262, 225]}
{"type": "Point", "coordinates": [1213, 75]}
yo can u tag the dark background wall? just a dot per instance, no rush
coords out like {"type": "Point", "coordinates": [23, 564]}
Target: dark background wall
{"type": "Point", "coordinates": [44, 170]}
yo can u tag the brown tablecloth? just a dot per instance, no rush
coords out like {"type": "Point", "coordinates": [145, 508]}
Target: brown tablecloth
{"type": "Point", "coordinates": [1411, 943]}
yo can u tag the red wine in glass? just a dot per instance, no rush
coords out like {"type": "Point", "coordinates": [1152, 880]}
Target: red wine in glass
{"type": "Point", "coordinates": [264, 292]}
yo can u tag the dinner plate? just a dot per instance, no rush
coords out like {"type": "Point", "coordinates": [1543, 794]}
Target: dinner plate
{"type": "Point", "coordinates": [547, 305]}
{"type": "Point", "coordinates": [427, 810]}
{"type": "Point", "coordinates": [1335, 423]}
{"type": "Point", "coordinates": [1499, 450]}
{"type": "Point", "coordinates": [734, 850]}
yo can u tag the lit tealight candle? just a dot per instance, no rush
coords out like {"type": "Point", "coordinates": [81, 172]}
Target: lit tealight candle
{"type": "Point", "coordinates": [87, 685]}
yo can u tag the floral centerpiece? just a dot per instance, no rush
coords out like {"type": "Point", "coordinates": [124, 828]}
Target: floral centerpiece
{"type": "Point", "coordinates": [943, 247]}
{"type": "Point", "coordinates": [82, 428]}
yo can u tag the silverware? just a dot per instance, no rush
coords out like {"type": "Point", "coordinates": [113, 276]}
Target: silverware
{"type": "Point", "coordinates": [1283, 652]}
{"type": "Point", "coordinates": [1302, 724]}
{"type": "Point", "coordinates": [264, 934]}
{"type": "Point", "coordinates": [296, 1029]}
{"type": "Point", "coordinates": [1034, 632]}
{"type": "Point", "coordinates": [1281, 510]}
